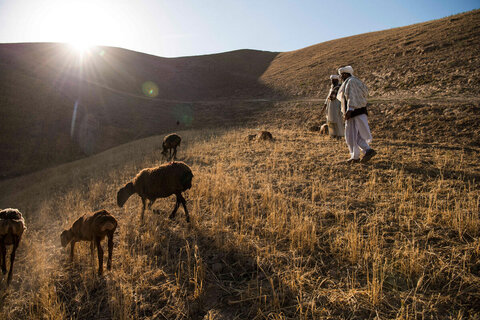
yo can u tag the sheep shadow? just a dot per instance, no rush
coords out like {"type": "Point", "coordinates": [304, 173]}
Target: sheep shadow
{"type": "Point", "coordinates": [232, 283]}
{"type": "Point", "coordinates": [78, 287]}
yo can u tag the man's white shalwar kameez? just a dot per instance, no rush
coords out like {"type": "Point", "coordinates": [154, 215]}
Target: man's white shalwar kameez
{"type": "Point", "coordinates": [353, 95]}
{"type": "Point", "coordinates": [334, 114]}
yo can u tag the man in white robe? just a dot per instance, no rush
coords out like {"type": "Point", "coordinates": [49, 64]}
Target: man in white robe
{"type": "Point", "coordinates": [336, 128]}
{"type": "Point", "coordinates": [353, 97]}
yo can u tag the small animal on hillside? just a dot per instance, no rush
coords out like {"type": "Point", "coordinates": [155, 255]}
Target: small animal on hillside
{"type": "Point", "coordinates": [170, 144]}
{"type": "Point", "coordinates": [251, 137]}
{"type": "Point", "coordinates": [92, 227]}
{"type": "Point", "coordinates": [265, 135]}
{"type": "Point", "coordinates": [324, 129]}
{"type": "Point", "coordinates": [160, 182]}
{"type": "Point", "coordinates": [12, 226]}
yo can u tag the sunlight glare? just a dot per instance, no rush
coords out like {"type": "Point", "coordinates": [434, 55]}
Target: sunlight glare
{"type": "Point", "coordinates": [80, 23]}
{"type": "Point", "coordinates": [80, 47]}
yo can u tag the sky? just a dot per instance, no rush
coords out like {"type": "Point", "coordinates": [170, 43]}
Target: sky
{"type": "Point", "coordinates": [173, 28]}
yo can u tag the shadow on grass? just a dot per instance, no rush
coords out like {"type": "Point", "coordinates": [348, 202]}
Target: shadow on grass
{"type": "Point", "coordinates": [83, 293]}
{"type": "Point", "coordinates": [215, 278]}
{"type": "Point", "coordinates": [425, 172]}
{"type": "Point", "coordinates": [427, 146]}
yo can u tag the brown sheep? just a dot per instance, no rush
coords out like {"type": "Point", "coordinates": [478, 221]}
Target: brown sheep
{"type": "Point", "coordinates": [92, 227]}
{"type": "Point", "coordinates": [264, 135]}
{"type": "Point", "coordinates": [12, 226]}
{"type": "Point", "coordinates": [160, 182]}
{"type": "Point", "coordinates": [171, 142]}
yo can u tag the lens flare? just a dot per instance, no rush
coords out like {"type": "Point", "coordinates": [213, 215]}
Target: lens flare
{"type": "Point", "coordinates": [184, 114]}
{"type": "Point", "coordinates": [150, 89]}
{"type": "Point", "coordinates": [74, 118]}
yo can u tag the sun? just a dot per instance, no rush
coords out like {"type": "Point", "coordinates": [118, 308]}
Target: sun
{"type": "Point", "coordinates": [80, 47]}
{"type": "Point", "coordinates": [82, 24]}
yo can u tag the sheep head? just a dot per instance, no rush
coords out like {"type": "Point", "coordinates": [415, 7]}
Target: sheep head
{"type": "Point", "coordinates": [66, 237]}
{"type": "Point", "coordinates": [186, 180]}
{"type": "Point", "coordinates": [124, 193]}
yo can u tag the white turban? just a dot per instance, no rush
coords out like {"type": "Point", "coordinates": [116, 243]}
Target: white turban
{"type": "Point", "coordinates": [346, 69]}
{"type": "Point", "coordinates": [334, 76]}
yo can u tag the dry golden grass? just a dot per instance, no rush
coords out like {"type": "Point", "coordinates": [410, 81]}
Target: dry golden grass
{"type": "Point", "coordinates": [279, 230]}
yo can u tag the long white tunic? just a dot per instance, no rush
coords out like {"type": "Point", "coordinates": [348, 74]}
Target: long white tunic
{"type": "Point", "coordinates": [334, 116]}
{"type": "Point", "coordinates": [353, 95]}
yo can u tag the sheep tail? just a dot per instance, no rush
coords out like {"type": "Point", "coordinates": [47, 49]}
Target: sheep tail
{"type": "Point", "coordinates": [109, 225]}
{"type": "Point", "coordinates": [12, 226]}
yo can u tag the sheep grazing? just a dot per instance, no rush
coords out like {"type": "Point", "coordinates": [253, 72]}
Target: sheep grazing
{"type": "Point", "coordinates": [170, 143]}
{"type": "Point", "coordinates": [324, 129]}
{"type": "Point", "coordinates": [262, 135]}
{"type": "Point", "coordinates": [92, 227]}
{"type": "Point", "coordinates": [160, 182]}
{"type": "Point", "coordinates": [12, 226]}
{"type": "Point", "coordinates": [265, 135]}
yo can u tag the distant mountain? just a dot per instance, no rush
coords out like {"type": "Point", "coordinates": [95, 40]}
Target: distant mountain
{"type": "Point", "coordinates": [120, 95]}
{"type": "Point", "coordinates": [57, 106]}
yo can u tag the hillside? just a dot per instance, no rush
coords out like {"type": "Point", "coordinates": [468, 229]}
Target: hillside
{"type": "Point", "coordinates": [280, 230]}
{"type": "Point", "coordinates": [431, 59]}
{"type": "Point", "coordinates": [40, 84]}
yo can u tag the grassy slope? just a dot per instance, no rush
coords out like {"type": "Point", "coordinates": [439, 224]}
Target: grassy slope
{"type": "Point", "coordinates": [40, 84]}
{"type": "Point", "coordinates": [434, 58]}
{"type": "Point", "coordinates": [279, 230]}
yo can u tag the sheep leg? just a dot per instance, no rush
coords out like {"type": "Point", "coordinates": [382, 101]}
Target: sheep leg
{"type": "Point", "coordinates": [16, 241]}
{"type": "Point", "coordinates": [100, 256]}
{"type": "Point", "coordinates": [174, 153]}
{"type": "Point", "coordinates": [2, 256]}
{"type": "Point", "coordinates": [151, 204]}
{"type": "Point", "coordinates": [72, 248]}
{"type": "Point", "coordinates": [177, 204]}
{"type": "Point", "coordinates": [144, 204]}
{"type": "Point", "coordinates": [92, 254]}
{"type": "Point", "coordinates": [184, 203]}
{"type": "Point", "coordinates": [110, 250]}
